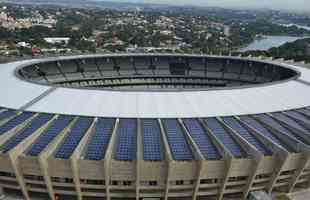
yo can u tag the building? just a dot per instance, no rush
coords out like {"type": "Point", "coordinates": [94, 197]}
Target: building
{"type": "Point", "coordinates": [57, 40]}
{"type": "Point", "coordinates": [163, 126]}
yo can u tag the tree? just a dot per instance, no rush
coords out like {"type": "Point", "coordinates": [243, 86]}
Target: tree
{"type": "Point", "coordinates": [86, 29]}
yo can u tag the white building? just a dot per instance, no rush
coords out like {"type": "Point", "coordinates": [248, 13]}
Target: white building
{"type": "Point", "coordinates": [57, 40]}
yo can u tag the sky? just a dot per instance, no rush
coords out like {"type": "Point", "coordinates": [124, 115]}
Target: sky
{"type": "Point", "coordinates": [303, 5]}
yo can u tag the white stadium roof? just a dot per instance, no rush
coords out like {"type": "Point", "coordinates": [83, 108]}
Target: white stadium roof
{"type": "Point", "coordinates": [16, 93]}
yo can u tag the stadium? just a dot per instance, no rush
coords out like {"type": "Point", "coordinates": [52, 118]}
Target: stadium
{"type": "Point", "coordinates": [153, 126]}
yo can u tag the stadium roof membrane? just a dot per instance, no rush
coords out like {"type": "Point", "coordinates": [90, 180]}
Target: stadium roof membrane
{"type": "Point", "coordinates": [264, 98]}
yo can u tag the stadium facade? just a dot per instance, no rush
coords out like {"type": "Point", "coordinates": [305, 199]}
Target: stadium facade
{"type": "Point", "coordinates": [133, 126]}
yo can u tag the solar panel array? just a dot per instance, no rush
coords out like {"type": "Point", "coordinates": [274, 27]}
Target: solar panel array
{"type": "Point", "coordinates": [152, 144]}
{"type": "Point", "coordinates": [289, 121]}
{"type": "Point", "coordinates": [45, 138]}
{"type": "Point", "coordinates": [305, 112]}
{"type": "Point", "coordinates": [293, 124]}
{"type": "Point", "coordinates": [6, 114]}
{"type": "Point", "coordinates": [245, 134]}
{"type": "Point", "coordinates": [126, 140]}
{"type": "Point", "coordinates": [15, 122]}
{"type": "Point", "coordinates": [177, 142]}
{"type": "Point", "coordinates": [203, 141]}
{"type": "Point", "coordinates": [74, 137]}
{"type": "Point", "coordinates": [35, 124]}
{"type": "Point", "coordinates": [99, 141]}
{"type": "Point", "coordinates": [224, 137]}
{"type": "Point", "coordinates": [153, 149]}
{"type": "Point", "coordinates": [297, 115]}
{"type": "Point", "coordinates": [264, 131]}
{"type": "Point", "coordinates": [299, 118]}
{"type": "Point", "coordinates": [276, 125]}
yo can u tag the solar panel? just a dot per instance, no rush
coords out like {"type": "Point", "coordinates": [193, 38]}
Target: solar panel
{"type": "Point", "coordinates": [151, 136]}
{"type": "Point", "coordinates": [245, 134]}
{"type": "Point", "coordinates": [277, 126]}
{"type": "Point", "coordinates": [299, 118]}
{"type": "Point", "coordinates": [45, 138]}
{"type": "Point", "coordinates": [305, 112]}
{"type": "Point", "coordinates": [15, 122]}
{"type": "Point", "coordinates": [126, 140]}
{"type": "Point", "coordinates": [224, 137]}
{"type": "Point", "coordinates": [289, 121]}
{"type": "Point", "coordinates": [264, 131]}
{"type": "Point", "coordinates": [99, 141]}
{"type": "Point", "coordinates": [74, 137]}
{"type": "Point", "coordinates": [6, 114]}
{"type": "Point", "coordinates": [203, 141]}
{"type": "Point", "coordinates": [177, 142]}
{"type": "Point", "coordinates": [35, 124]}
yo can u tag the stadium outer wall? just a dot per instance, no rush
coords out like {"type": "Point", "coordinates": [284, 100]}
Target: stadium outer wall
{"type": "Point", "coordinates": [286, 169]}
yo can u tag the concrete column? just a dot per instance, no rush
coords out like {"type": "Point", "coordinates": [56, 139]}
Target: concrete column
{"type": "Point", "coordinates": [20, 178]}
{"type": "Point", "coordinates": [255, 167]}
{"type": "Point", "coordinates": [227, 157]}
{"type": "Point", "coordinates": [302, 165]}
{"type": "Point", "coordinates": [250, 149]}
{"type": "Point", "coordinates": [47, 178]}
{"type": "Point", "coordinates": [107, 178]}
{"type": "Point", "coordinates": [198, 178]}
{"type": "Point", "coordinates": [76, 177]}
{"type": "Point", "coordinates": [139, 158]}
{"type": "Point", "coordinates": [168, 180]}
{"type": "Point", "coordinates": [283, 157]}
{"type": "Point", "coordinates": [198, 155]}
{"type": "Point", "coordinates": [277, 170]}
{"type": "Point", "coordinates": [21, 147]}
{"type": "Point", "coordinates": [169, 158]}
{"type": "Point", "coordinates": [228, 164]}
{"type": "Point", "coordinates": [74, 159]}
{"type": "Point", "coordinates": [107, 160]}
{"type": "Point", "coordinates": [45, 154]}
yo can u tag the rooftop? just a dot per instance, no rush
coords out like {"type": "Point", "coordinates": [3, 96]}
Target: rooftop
{"type": "Point", "coordinates": [262, 98]}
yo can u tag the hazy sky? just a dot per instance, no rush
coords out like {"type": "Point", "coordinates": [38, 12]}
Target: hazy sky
{"type": "Point", "coordinates": [274, 4]}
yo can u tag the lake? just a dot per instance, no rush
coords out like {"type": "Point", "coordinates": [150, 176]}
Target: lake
{"type": "Point", "coordinates": [299, 26]}
{"type": "Point", "coordinates": [268, 42]}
